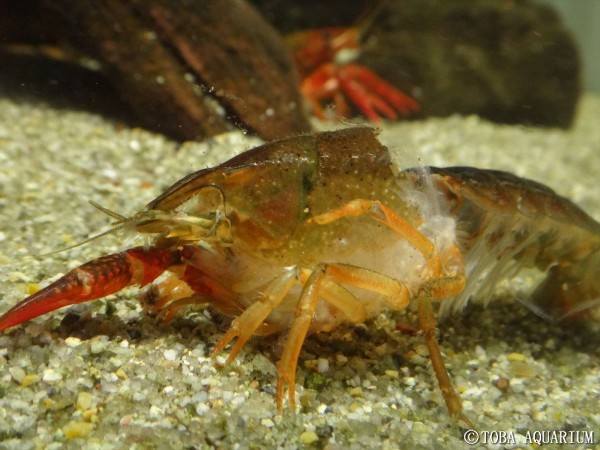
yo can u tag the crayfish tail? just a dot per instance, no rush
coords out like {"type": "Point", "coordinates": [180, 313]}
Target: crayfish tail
{"type": "Point", "coordinates": [568, 293]}
{"type": "Point", "coordinates": [92, 280]}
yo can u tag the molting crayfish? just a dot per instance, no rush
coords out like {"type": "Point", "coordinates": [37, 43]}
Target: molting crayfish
{"type": "Point", "coordinates": [310, 232]}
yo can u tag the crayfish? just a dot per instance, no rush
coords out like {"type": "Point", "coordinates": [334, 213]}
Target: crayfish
{"type": "Point", "coordinates": [302, 235]}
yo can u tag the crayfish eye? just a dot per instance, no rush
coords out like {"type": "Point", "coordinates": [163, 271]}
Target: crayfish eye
{"type": "Point", "coordinates": [206, 200]}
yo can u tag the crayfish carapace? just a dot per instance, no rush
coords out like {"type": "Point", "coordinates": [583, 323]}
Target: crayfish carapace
{"type": "Point", "coordinates": [307, 233]}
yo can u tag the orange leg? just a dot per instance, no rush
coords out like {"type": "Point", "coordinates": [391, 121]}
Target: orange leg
{"type": "Point", "coordinates": [253, 317]}
{"type": "Point", "coordinates": [323, 283]}
{"type": "Point", "coordinates": [187, 285]}
{"type": "Point", "coordinates": [169, 296]}
{"type": "Point", "coordinates": [399, 298]}
{"type": "Point", "coordinates": [395, 293]}
{"type": "Point", "coordinates": [289, 359]}
{"type": "Point", "coordinates": [252, 320]}
{"type": "Point", "coordinates": [342, 299]}
{"type": "Point", "coordinates": [438, 287]}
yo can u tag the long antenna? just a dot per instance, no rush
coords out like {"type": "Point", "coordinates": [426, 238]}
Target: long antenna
{"type": "Point", "coordinates": [108, 212]}
{"type": "Point", "coordinates": [120, 223]}
{"type": "Point", "coordinates": [366, 20]}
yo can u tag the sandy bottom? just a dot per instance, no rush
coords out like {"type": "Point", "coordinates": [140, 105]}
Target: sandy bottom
{"type": "Point", "coordinates": [108, 376]}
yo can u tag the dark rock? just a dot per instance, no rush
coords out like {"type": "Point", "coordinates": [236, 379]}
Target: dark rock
{"type": "Point", "coordinates": [510, 62]}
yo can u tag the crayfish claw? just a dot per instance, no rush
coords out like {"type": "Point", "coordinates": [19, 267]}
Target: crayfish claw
{"type": "Point", "coordinates": [92, 280]}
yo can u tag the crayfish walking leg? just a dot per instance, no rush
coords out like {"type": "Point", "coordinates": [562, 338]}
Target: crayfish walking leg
{"type": "Point", "coordinates": [439, 285]}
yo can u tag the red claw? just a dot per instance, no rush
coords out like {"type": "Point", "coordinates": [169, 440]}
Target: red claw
{"type": "Point", "coordinates": [372, 92]}
{"type": "Point", "coordinates": [326, 79]}
{"type": "Point", "coordinates": [92, 280]}
{"type": "Point", "coordinates": [373, 96]}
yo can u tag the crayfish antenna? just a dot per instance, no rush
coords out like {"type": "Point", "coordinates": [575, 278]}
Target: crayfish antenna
{"type": "Point", "coordinates": [365, 22]}
{"type": "Point", "coordinates": [109, 212]}
{"type": "Point", "coordinates": [122, 223]}
{"type": "Point", "coordinates": [84, 242]}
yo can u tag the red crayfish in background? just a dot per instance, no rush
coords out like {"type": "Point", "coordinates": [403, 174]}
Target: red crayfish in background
{"type": "Point", "coordinates": [324, 58]}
